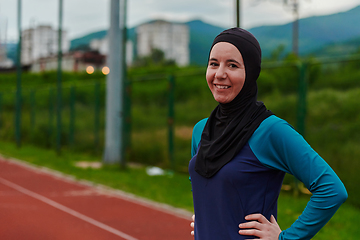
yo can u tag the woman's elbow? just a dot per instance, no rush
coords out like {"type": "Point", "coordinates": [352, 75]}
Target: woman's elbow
{"type": "Point", "coordinates": [343, 195]}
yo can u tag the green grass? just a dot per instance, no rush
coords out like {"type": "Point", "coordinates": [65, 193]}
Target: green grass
{"type": "Point", "coordinates": [174, 189]}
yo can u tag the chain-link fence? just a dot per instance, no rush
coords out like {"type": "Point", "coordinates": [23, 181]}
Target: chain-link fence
{"type": "Point", "coordinates": [319, 98]}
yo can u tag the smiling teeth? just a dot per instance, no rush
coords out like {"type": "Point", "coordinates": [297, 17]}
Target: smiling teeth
{"type": "Point", "coordinates": [222, 87]}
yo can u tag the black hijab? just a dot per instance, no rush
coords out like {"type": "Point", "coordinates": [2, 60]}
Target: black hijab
{"type": "Point", "coordinates": [231, 125]}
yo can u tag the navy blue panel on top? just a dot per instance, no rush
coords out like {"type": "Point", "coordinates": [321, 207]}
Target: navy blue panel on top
{"type": "Point", "coordinates": [242, 187]}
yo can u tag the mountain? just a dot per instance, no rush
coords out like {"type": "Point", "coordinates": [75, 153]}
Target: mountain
{"type": "Point", "coordinates": [339, 49]}
{"type": "Point", "coordinates": [314, 32]}
{"type": "Point", "coordinates": [85, 40]}
{"type": "Point", "coordinates": [319, 35]}
{"type": "Point", "coordinates": [201, 37]}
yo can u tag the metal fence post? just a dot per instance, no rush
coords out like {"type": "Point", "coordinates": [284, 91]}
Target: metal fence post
{"type": "Point", "coordinates": [72, 117]}
{"type": "Point", "coordinates": [96, 116]}
{"type": "Point", "coordinates": [32, 114]}
{"type": "Point", "coordinates": [302, 92]}
{"type": "Point", "coordinates": [301, 109]}
{"type": "Point", "coordinates": [1, 112]}
{"type": "Point", "coordinates": [51, 116]}
{"type": "Point", "coordinates": [171, 114]}
{"type": "Point", "coordinates": [127, 119]}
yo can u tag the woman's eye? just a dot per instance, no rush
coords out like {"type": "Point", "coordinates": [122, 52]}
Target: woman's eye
{"type": "Point", "coordinates": [233, 66]}
{"type": "Point", "coordinates": [213, 64]}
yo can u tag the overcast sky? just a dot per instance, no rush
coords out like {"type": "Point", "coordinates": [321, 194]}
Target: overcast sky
{"type": "Point", "coordinates": [84, 16]}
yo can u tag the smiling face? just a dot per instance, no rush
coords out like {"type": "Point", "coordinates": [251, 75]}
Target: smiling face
{"type": "Point", "coordinates": [225, 73]}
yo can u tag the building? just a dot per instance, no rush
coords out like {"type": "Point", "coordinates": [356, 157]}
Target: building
{"type": "Point", "coordinates": [41, 42]}
{"type": "Point", "coordinates": [5, 63]}
{"type": "Point", "coordinates": [71, 62]}
{"type": "Point", "coordinates": [102, 46]}
{"type": "Point", "coordinates": [171, 38]}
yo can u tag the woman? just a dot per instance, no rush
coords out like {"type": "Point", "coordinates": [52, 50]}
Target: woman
{"type": "Point", "coordinates": [242, 152]}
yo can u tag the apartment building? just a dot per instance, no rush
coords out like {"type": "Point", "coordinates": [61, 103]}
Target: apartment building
{"type": "Point", "coordinates": [171, 38]}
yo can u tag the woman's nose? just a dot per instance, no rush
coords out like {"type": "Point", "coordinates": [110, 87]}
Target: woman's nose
{"type": "Point", "coordinates": [220, 73]}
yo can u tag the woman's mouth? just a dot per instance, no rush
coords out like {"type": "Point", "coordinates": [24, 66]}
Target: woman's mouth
{"type": "Point", "coordinates": [221, 86]}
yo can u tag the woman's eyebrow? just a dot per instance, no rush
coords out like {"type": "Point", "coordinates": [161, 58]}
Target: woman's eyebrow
{"type": "Point", "coordinates": [228, 61]}
{"type": "Point", "coordinates": [232, 61]}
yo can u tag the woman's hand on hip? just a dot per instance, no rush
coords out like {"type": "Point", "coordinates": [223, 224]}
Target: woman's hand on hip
{"type": "Point", "coordinates": [259, 226]}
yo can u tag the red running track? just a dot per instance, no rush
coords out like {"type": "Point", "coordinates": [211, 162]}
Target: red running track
{"type": "Point", "coordinates": [41, 205]}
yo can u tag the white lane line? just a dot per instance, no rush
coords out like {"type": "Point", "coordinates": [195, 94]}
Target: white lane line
{"type": "Point", "coordinates": [162, 207]}
{"type": "Point", "coordinates": [66, 209]}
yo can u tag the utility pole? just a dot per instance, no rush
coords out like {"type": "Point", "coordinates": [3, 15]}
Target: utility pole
{"type": "Point", "coordinates": [18, 82]}
{"type": "Point", "coordinates": [294, 5]}
{"type": "Point", "coordinates": [238, 13]}
{"type": "Point", "coordinates": [59, 80]}
{"type": "Point", "coordinates": [5, 38]}
{"type": "Point", "coordinates": [113, 152]}
{"type": "Point", "coordinates": [296, 27]}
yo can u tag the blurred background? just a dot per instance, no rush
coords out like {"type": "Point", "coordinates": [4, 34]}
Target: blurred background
{"type": "Point", "coordinates": [310, 77]}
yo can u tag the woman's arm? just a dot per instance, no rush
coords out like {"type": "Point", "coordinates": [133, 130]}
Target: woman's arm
{"type": "Point", "coordinates": [277, 145]}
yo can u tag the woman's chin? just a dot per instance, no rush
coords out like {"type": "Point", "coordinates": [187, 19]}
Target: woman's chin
{"type": "Point", "coordinates": [222, 99]}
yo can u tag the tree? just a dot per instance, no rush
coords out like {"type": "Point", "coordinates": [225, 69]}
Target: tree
{"type": "Point", "coordinates": [155, 58]}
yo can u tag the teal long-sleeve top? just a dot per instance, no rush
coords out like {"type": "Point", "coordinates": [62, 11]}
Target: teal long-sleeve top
{"type": "Point", "coordinates": [274, 148]}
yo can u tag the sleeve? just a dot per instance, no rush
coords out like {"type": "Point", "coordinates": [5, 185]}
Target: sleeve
{"type": "Point", "coordinates": [196, 136]}
{"type": "Point", "coordinates": [281, 147]}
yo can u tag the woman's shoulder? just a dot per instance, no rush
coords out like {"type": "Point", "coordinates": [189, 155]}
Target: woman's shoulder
{"type": "Point", "coordinates": [199, 126]}
{"type": "Point", "coordinates": [196, 135]}
{"type": "Point", "coordinates": [273, 123]}
{"type": "Point", "coordinates": [273, 129]}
